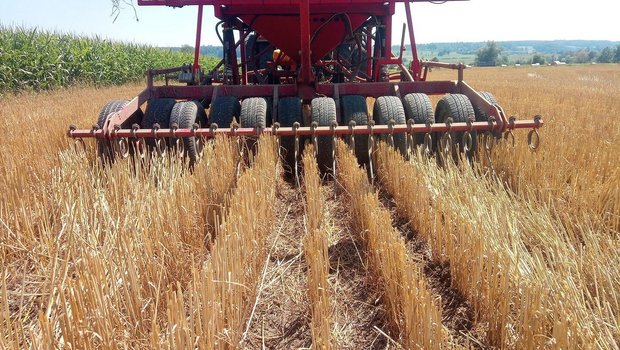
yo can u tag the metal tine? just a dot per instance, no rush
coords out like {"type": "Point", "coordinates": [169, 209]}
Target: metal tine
{"type": "Point", "coordinates": [240, 147]}
{"type": "Point", "coordinates": [428, 139]}
{"type": "Point", "coordinates": [533, 137]}
{"type": "Point", "coordinates": [371, 146]}
{"type": "Point", "coordinates": [295, 127]}
{"type": "Point", "coordinates": [410, 144]}
{"type": "Point", "coordinates": [352, 125]}
{"type": "Point", "coordinates": [178, 142]}
{"type": "Point", "coordinates": [313, 127]}
{"type": "Point", "coordinates": [334, 143]}
{"type": "Point", "coordinates": [274, 129]}
{"type": "Point", "coordinates": [78, 143]}
{"type": "Point", "coordinates": [160, 145]}
{"type": "Point", "coordinates": [391, 134]}
{"type": "Point", "coordinates": [122, 145]}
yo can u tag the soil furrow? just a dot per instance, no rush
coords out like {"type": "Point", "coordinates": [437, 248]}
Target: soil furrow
{"type": "Point", "coordinates": [281, 316]}
{"type": "Point", "coordinates": [357, 310]}
{"type": "Point", "coordinates": [457, 312]}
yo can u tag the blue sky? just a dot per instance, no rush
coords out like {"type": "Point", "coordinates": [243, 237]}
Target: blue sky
{"type": "Point", "coordinates": [475, 20]}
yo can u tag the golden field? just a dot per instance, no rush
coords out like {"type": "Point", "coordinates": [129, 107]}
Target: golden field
{"type": "Point", "coordinates": [517, 253]}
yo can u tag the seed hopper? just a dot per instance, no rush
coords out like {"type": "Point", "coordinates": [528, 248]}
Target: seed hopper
{"type": "Point", "coordinates": [304, 70]}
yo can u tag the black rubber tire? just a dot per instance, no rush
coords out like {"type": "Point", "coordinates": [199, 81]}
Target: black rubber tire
{"type": "Point", "coordinates": [419, 108]}
{"type": "Point", "coordinates": [459, 108]}
{"type": "Point", "coordinates": [254, 113]}
{"type": "Point", "coordinates": [354, 108]}
{"type": "Point", "coordinates": [289, 112]}
{"type": "Point", "coordinates": [391, 108]}
{"type": "Point", "coordinates": [104, 147]}
{"type": "Point", "coordinates": [157, 111]}
{"type": "Point", "coordinates": [324, 114]}
{"type": "Point", "coordinates": [223, 110]}
{"type": "Point", "coordinates": [185, 115]}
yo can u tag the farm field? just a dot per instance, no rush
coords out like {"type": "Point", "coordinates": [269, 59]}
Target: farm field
{"type": "Point", "coordinates": [519, 252]}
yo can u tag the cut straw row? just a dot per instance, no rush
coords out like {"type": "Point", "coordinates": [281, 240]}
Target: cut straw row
{"type": "Point", "coordinates": [116, 238]}
{"type": "Point", "coordinates": [414, 314]}
{"type": "Point", "coordinates": [212, 313]}
{"type": "Point", "coordinates": [512, 261]}
{"type": "Point", "coordinates": [316, 253]}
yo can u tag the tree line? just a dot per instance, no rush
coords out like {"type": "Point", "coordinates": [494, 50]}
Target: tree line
{"type": "Point", "coordinates": [491, 55]}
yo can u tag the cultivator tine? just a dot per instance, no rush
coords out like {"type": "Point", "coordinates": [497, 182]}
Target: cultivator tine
{"type": "Point", "coordinates": [352, 137]}
{"type": "Point", "coordinates": [428, 140]}
{"type": "Point", "coordinates": [274, 130]}
{"type": "Point", "coordinates": [409, 141]}
{"type": "Point", "coordinates": [240, 148]}
{"type": "Point", "coordinates": [468, 141]}
{"type": "Point", "coordinates": [533, 137]}
{"type": "Point", "coordinates": [122, 145]}
{"type": "Point", "coordinates": [391, 134]}
{"type": "Point", "coordinates": [140, 148]}
{"type": "Point", "coordinates": [445, 143]}
{"type": "Point", "coordinates": [371, 147]}
{"type": "Point", "coordinates": [200, 142]}
{"type": "Point", "coordinates": [334, 143]}
{"type": "Point", "coordinates": [509, 135]}
{"type": "Point", "coordinates": [295, 128]}
{"type": "Point", "coordinates": [315, 143]}
{"type": "Point", "coordinates": [137, 143]}
{"type": "Point", "coordinates": [79, 146]}
{"type": "Point", "coordinates": [179, 145]}
{"type": "Point", "coordinates": [160, 143]}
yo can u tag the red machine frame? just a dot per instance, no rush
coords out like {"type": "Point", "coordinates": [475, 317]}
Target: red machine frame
{"type": "Point", "coordinates": [305, 85]}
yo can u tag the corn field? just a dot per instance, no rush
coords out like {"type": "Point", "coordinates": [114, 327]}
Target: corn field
{"type": "Point", "coordinates": [517, 251]}
{"type": "Point", "coordinates": [32, 59]}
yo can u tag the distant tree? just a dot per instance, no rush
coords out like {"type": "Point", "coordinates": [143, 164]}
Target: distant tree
{"type": "Point", "coordinates": [617, 55]}
{"type": "Point", "coordinates": [488, 56]}
{"type": "Point", "coordinates": [606, 56]}
{"type": "Point", "coordinates": [538, 58]}
{"type": "Point", "coordinates": [592, 56]}
{"type": "Point", "coordinates": [435, 59]}
{"type": "Point", "coordinates": [581, 56]}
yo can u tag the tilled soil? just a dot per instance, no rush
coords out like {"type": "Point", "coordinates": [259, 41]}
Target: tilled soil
{"type": "Point", "coordinates": [281, 317]}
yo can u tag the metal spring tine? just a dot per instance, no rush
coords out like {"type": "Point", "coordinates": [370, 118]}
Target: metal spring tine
{"type": "Point", "coordinates": [533, 137]}
{"type": "Point", "coordinates": [160, 146]}
{"type": "Point", "coordinates": [140, 150]}
{"type": "Point", "coordinates": [391, 134]}
{"type": "Point", "coordinates": [333, 126]}
{"type": "Point", "coordinates": [371, 146]}
{"type": "Point", "coordinates": [446, 139]}
{"type": "Point", "coordinates": [313, 127]}
{"type": "Point", "coordinates": [178, 142]}
{"type": "Point", "coordinates": [234, 128]}
{"type": "Point", "coordinates": [467, 139]}
{"type": "Point", "coordinates": [274, 129]}
{"type": "Point", "coordinates": [428, 139]}
{"type": "Point", "coordinates": [199, 142]}
{"type": "Point", "coordinates": [352, 125]}
{"type": "Point", "coordinates": [295, 127]}
{"type": "Point", "coordinates": [79, 147]}
{"type": "Point", "coordinates": [123, 147]}
{"type": "Point", "coordinates": [509, 135]}
{"type": "Point", "coordinates": [428, 144]}
{"type": "Point", "coordinates": [410, 138]}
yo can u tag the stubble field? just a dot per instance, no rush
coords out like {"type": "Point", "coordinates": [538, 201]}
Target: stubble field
{"type": "Point", "coordinates": [521, 252]}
